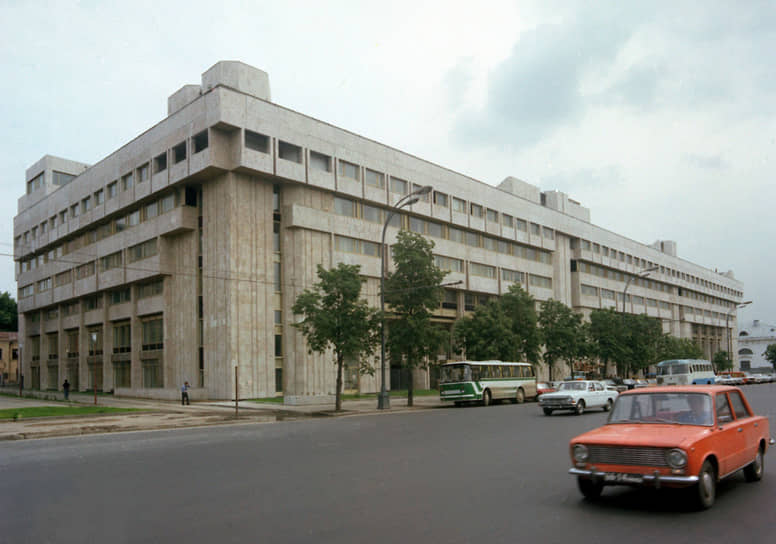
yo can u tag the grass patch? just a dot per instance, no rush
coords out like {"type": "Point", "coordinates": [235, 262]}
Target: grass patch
{"type": "Point", "coordinates": [52, 411]}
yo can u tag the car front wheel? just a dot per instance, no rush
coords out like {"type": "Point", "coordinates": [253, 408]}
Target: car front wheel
{"type": "Point", "coordinates": [707, 486]}
{"type": "Point", "coordinates": [754, 471]}
{"type": "Point", "coordinates": [580, 407]}
{"type": "Point", "coordinates": [591, 489]}
{"type": "Point", "coordinates": [608, 405]}
{"type": "Point", "coordinates": [547, 411]}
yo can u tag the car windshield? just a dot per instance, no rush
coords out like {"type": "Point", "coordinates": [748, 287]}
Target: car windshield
{"type": "Point", "coordinates": [455, 373]}
{"type": "Point", "coordinates": [573, 386]}
{"type": "Point", "coordinates": [682, 408]}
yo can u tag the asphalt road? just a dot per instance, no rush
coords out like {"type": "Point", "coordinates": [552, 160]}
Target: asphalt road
{"type": "Point", "coordinates": [495, 474]}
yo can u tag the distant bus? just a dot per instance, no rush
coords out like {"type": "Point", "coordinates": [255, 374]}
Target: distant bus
{"type": "Point", "coordinates": [685, 372]}
{"type": "Point", "coordinates": [486, 381]}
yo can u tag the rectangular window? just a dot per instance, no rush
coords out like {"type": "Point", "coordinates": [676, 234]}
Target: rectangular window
{"type": "Point", "coordinates": [372, 214]}
{"type": "Point", "coordinates": [84, 270]}
{"type": "Point", "coordinates": [120, 296]}
{"type": "Point", "coordinates": [160, 163]}
{"type": "Point", "coordinates": [64, 278]}
{"type": "Point", "coordinates": [150, 211]}
{"type": "Point", "coordinates": [319, 161]}
{"type": "Point", "coordinates": [114, 260]}
{"type": "Point", "coordinates": [43, 227]}
{"type": "Point", "coordinates": [398, 186]}
{"type": "Point", "coordinates": [35, 183]}
{"type": "Point", "coordinates": [44, 285]}
{"type": "Point", "coordinates": [422, 197]}
{"type": "Point", "coordinates": [450, 300]}
{"type": "Point", "coordinates": [179, 153]}
{"type": "Point", "coordinates": [521, 225]}
{"type": "Point", "coordinates": [349, 170]}
{"type": "Point", "coordinates": [112, 189]}
{"type": "Point", "coordinates": [343, 206]}
{"type": "Point", "coordinates": [151, 289]}
{"type": "Point", "coordinates": [289, 152]}
{"type": "Point", "coordinates": [440, 199]}
{"type": "Point", "coordinates": [455, 235]}
{"type": "Point", "coordinates": [152, 374]}
{"type": "Point", "coordinates": [540, 281]}
{"type": "Point", "coordinates": [142, 251]}
{"type": "Point", "coordinates": [476, 210]}
{"type": "Point", "coordinates": [127, 181]}
{"type": "Point", "coordinates": [277, 278]}
{"type": "Point", "coordinates": [201, 141]}
{"type": "Point", "coordinates": [589, 290]}
{"type": "Point", "coordinates": [122, 375]}
{"type": "Point", "coordinates": [535, 229]}
{"type": "Point", "coordinates": [435, 229]}
{"type": "Point", "coordinates": [256, 141]}
{"type": "Point", "coordinates": [71, 343]}
{"type": "Point", "coordinates": [512, 275]}
{"type": "Point", "coordinates": [74, 210]}
{"type": "Point", "coordinates": [506, 220]}
{"type": "Point", "coordinates": [638, 300]}
{"type": "Point", "coordinates": [60, 178]}
{"type": "Point", "coordinates": [99, 197]}
{"type": "Point", "coordinates": [459, 205]}
{"type": "Point", "coordinates": [86, 204]}
{"type": "Point", "coordinates": [52, 314]}
{"type": "Point", "coordinates": [492, 216]}
{"type": "Point", "coordinates": [153, 334]}
{"type": "Point", "coordinates": [167, 203]}
{"type": "Point", "coordinates": [548, 233]}
{"type": "Point", "coordinates": [133, 218]}
{"type": "Point", "coordinates": [472, 239]}
{"type": "Point", "coordinates": [143, 172]}
{"type": "Point", "coordinates": [448, 263]}
{"type": "Point", "coordinates": [93, 302]}
{"type": "Point", "coordinates": [484, 270]}
{"type": "Point", "coordinates": [375, 179]}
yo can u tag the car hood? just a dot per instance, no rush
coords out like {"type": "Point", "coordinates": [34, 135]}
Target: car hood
{"type": "Point", "coordinates": [644, 434]}
{"type": "Point", "coordinates": [561, 394]}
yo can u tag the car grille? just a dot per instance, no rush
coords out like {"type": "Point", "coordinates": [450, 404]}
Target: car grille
{"type": "Point", "coordinates": [617, 455]}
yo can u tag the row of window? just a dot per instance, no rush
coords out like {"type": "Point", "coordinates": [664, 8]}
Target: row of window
{"type": "Point", "coordinates": [613, 254]}
{"type": "Point", "coordinates": [111, 190]}
{"type": "Point", "coordinates": [106, 229]}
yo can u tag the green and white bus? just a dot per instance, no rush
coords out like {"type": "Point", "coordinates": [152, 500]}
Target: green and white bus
{"type": "Point", "coordinates": [486, 381]}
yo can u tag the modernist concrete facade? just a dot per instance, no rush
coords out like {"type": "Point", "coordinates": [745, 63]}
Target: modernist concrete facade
{"type": "Point", "coordinates": [178, 256]}
{"type": "Point", "coordinates": [753, 339]}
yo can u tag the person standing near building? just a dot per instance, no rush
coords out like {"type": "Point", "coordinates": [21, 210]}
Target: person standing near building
{"type": "Point", "coordinates": [185, 394]}
{"type": "Point", "coordinates": [66, 389]}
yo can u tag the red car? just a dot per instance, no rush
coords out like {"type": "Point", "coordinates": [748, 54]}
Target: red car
{"type": "Point", "coordinates": [673, 436]}
{"type": "Point", "coordinates": [543, 387]}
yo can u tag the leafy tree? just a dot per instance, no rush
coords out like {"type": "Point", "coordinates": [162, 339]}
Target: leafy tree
{"type": "Point", "coordinates": [671, 347]}
{"type": "Point", "coordinates": [644, 336]}
{"type": "Point", "coordinates": [770, 354]}
{"type": "Point", "coordinates": [561, 329]}
{"type": "Point", "coordinates": [722, 361]}
{"type": "Point", "coordinates": [504, 329]}
{"type": "Point", "coordinates": [609, 339]}
{"type": "Point", "coordinates": [487, 334]}
{"type": "Point", "coordinates": [9, 315]}
{"type": "Point", "coordinates": [413, 291]}
{"type": "Point", "coordinates": [335, 318]}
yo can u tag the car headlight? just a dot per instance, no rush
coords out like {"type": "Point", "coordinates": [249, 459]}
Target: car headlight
{"type": "Point", "coordinates": [676, 458]}
{"type": "Point", "coordinates": [580, 453]}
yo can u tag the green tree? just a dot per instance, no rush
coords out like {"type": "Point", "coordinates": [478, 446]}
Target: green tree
{"type": "Point", "coordinates": [609, 339]}
{"type": "Point", "coordinates": [413, 292]}
{"type": "Point", "coordinates": [520, 307]}
{"type": "Point", "coordinates": [722, 361]}
{"type": "Point", "coordinates": [644, 337]}
{"type": "Point", "coordinates": [336, 318]}
{"type": "Point", "coordinates": [9, 315]}
{"type": "Point", "coordinates": [487, 334]}
{"type": "Point", "coordinates": [561, 329]}
{"type": "Point", "coordinates": [671, 347]}
{"type": "Point", "coordinates": [770, 354]}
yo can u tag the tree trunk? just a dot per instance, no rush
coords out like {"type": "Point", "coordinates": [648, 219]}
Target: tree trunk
{"type": "Point", "coordinates": [338, 396]}
{"type": "Point", "coordinates": [410, 397]}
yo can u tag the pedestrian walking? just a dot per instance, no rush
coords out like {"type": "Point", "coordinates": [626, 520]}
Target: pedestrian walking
{"type": "Point", "coordinates": [66, 389]}
{"type": "Point", "coordinates": [185, 394]}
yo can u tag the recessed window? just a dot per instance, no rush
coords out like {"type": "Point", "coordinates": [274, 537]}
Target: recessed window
{"type": "Point", "coordinates": [484, 270]}
{"type": "Point", "coordinates": [99, 197]}
{"type": "Point", "coordinates": [74, 210]}
{"type": "Point", "coordinates": [35, 183]}
{"type": "Point", "coordinates": [114, 260]}
{"type": "Point", "coordinates": [160, 163]}
{"type": "Point", "coordinates": [536, 229]}
{"type": "Point", "coordinates": [343, 206]}
{"type": "Point", "coordinates": [459, 205]}
{"type": "Point", "coordinates": [200, 141]}
{"type": "Point", "coordinates": [319, 161]}
{"type": "Point", "coordinates": [476, 210]}
{"type": "Point", "coordinates": [127, 182]}
{"type": "Point", "coordinates": [256, 141]}
{"type": "Point", "coordinates": [179, 153]}
{"type": "Point", "coordinates": [60, 178]}
{"type": "Point", "coordinates": [440, 199]}
{"type": "Point", "coordinates": [448, 263]}
{"type": "Point", "coordinates": [349, 170]}
{"type": "Point", "coordinates": [142, 173]}
{"type": "Point", "coordinates": [492, 216]}
{"type": "Point", "coordinates": [398, 186]}
{"type": "Point", "coordinates": [290, 152]}
{"type": "Point", "coordinates": [112, 189]}
{"type": "Point", "coordinates": [86, 204]}
{"type": "Point", "coordinates": [507, 220]}
{"type": "Point", "coordinates": [375, 179]}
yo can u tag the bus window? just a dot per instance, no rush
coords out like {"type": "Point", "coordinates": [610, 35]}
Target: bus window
{"type": "Point", "coordinates": [495, 371]}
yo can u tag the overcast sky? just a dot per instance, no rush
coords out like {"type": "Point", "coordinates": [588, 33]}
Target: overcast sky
{"type": "Point", "coordinates": [658, 116]}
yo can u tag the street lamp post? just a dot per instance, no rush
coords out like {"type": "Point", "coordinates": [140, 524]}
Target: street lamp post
{"type": "Point", "coordinates": [727, 330]}
{"type": "Point", "coordinates": [642, 274]}
{"type": "Point", "coordinates": [383, 399]}
{"type": "Point", "coordinates": [93, 338]}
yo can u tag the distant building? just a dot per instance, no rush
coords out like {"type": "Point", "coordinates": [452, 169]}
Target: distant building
{"type": "Point", "coordinates": [9, 357]}
{"type": "Point", "coordinates": [178, 256]}
{"type": "Point", "coordinates": [753, 340]}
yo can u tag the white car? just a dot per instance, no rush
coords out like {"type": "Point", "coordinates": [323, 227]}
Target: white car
{"type": "Point", "coordinates": [577, 396]}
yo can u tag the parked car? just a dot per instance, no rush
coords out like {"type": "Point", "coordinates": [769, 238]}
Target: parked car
{"type": "Point", "coordinates": [617, 384]}
{"type": "Point", "coordinates": [640, 383]}
{"type": "Point", "coordinates": [673, 436]}
{"type": "Point", "coordinates": [543, 387]}
{"type": "Point", "coordinates": [577, 396]}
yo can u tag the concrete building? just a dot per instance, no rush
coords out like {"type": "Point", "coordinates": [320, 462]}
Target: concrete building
{"type": "Point", "coordinates": [753, 339]}
{"type": "Point", "coordinates": [9, 357]}
{"type": "Point", "coordinates": [178, 256]}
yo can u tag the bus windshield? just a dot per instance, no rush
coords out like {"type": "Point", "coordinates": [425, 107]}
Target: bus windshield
{"type": "Point", "coordinates": [676, 368]}
{"type": "Point", "coordinates": [455, 373]}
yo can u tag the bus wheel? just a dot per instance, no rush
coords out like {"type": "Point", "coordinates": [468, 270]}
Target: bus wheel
{"type": "Point", "coordinates": [458, 403]}
{"type": "Point", "coordinates": [486, 397]}
{"type": "Point", "coordinates": [547, 411]}
{"type": "Point", "coordinates": [520, 398]}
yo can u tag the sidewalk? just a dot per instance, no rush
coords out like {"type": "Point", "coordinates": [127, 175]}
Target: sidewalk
{"type": "Point", "coordinates": [159, 414]}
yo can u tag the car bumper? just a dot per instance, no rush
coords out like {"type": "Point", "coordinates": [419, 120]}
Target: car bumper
{"type": "Point", "coordinates": [653, 479]}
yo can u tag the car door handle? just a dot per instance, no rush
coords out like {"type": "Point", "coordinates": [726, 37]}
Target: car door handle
{"type": "Point", "coordinates": [740, 430]}
{"type": "Point", "coordinates": [756, 424]}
